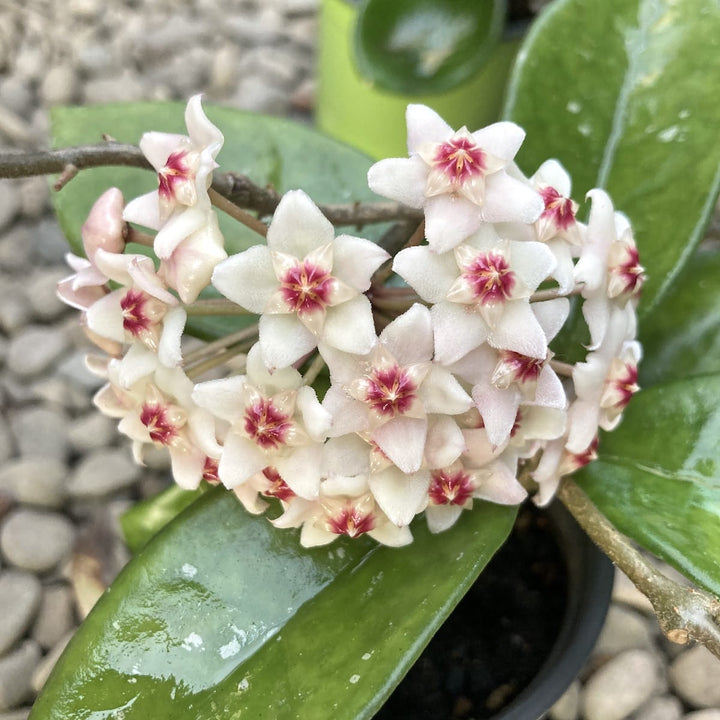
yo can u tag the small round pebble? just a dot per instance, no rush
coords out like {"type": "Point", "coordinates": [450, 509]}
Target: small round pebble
{"type": "Point", "coordinates": [20, 596]}
{"type": "Point", "coordinates": [695, 675]}
{"type": "Point", "coordinates": [103, 472]}
{"type": "Point", "coordinates": [621, 686]}
{"type": "Point", "coordinates": [42, 430]}
{"type": "Point", "coordinates": [36, 349]}
{"type": "Point", "coordinates": [56, 616]}
{"type": "Point", "coordinates": [624, 629]}
{"type": "Point", "coordinates": [35, 480]}
{"type": "Point", "coordinates": [709, 714]}
{"type": "Point", "coordinates": [661, 708]}
{"type": "Point", "coordinates": [16, 670]}
{"type": "Point", "coordinates": [36, 541]}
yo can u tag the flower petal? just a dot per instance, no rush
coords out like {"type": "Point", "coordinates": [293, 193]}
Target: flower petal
{"type": "Point", "coordinates": [247, 278]}
{"type": "Point", "coordinates": [424, 126]}
{"type": "Point", "coordinates": [298, 227]}
{"type": "Point", "coordinates": [240, 460]}
{"type": "Point", "coordinates": [431, 275]}
{"type": "Point", "coordinates": [284, 340]}
{"type": "Point", "coordinates": [402, 439]}
{"type": "Point", "coordinates": [400, 496]}
{"type": "Point", "coordinates": [401, 179]}
{"type": "Point", "coordinates": [356, 259]}
{"type": "Point", "coordinates": [450, 219]}
{"type": "Point", "coordinates": [410, 337]}
{"type": "Point", "coordinates": [349, 326]}
{"type": "Point", "coordinates": [457, 331]}
{"type": "Point", "coordinates": [509, 200]}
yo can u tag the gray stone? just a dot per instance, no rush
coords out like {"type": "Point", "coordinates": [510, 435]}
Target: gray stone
{"type": "Point", "coordinates": [20, 595]}
{"type": "Point", "coordinates": [36, 541]}
{"type": "Point", "coordinates": [35, 480]}
{"type": "Point", "coordinates": [21, 714]}
{"type": "Point", "coordinates": [35, 349]}
{"type": "Point", "coordinates": [624, 629]}
{"type": "Point", "coordinates": [42, 286]}
{"type": "Point", "coordinates": [224, 73]}
{"type": "Point", "coordinates": [92, 432]}
{"type": "Point", "coordinates": [660, 708]}
{"type": "Point", "coordinates": [124, 87]}
{"type": "Point", "coordinates": [59, 86]}
{"type": "Point", "coordinates": [56, 616]}
{"type": "Point", "coordinates": [621, 686]}
{"type": "Point", "coordinates": [15, 252]}
{"type": "Point", "coordinates": [49, 243]}
{"type": "Point", "coordinates": [6, 441]}
{"type": "Point", "coordinates": [16, 670]}
{"type": "Point", "coordinates": [9, 202]}
{"type": "Point", "coordinates": [74, 369]}
{"type": "Point", "coordinates": [15, 310]}
{"type": "Point", "coordinates": [568, 706]}
{"type": "Point", "coordinates": [60, 393]}
{"type": "Point", "coordinates": [103, 473]}
{"type": "Point", "coordinates": [695, 675]}
{"type": "Point", "coordinates": [254, 93]}
{"type": "Point", "coordinates": [41, 430]}
{"type": "Point", "coordinates": [273, 65]}
{"type": "Point", "coordinates": [95, 59]}
{"type": "Point", "coordinates": [258, 29]}
{"type": "Point", "coordinates": [15, 95]}
{"type": "Point", "coordinates": [710, 714]}
{"type": "Point", "coordinates": [43, 670]}
{"type": "Point", "coordinates": [35, 198]}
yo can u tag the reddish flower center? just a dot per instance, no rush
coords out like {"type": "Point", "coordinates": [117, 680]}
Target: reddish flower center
{"type": "Point", "coordinates": [450, 488]}
{"type": "Point", "coordinates": [460, 159]}
{"type": "Point", "coordinates": [210, 471]}
{"type": "Point", "coordinates": [351, 522]}
{"type": "Point", "coordinates": [575, 461]}
{"type": "Point", "coordinates": [154, 417]}
{"type": "Point", "coordinates": [135, 318]}
{"type": "Point", "coordinates": [629, 274]}
{"type": "Point", "coordinates": [514, 367]}
{"type": "Point", "coordinates": [306, 288]}
{"type": "Point", "coordinates": [624, 385]}
{"type": "Point", "coordinates": [266, 425]}
{"type": "Point", "coordinates": [277, 486]}
{"type": "Point", "coordinates": [177, 170]}
{"type": "Point", "coordinates": [390, 391]}
{"type": "Point", "coordinates": [559, 209]}
{"type": "Point", "coordinates": [490, 278]}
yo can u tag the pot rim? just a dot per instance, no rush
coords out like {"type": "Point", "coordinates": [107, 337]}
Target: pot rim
{"type": "Point", "coordinates": [589, 591]}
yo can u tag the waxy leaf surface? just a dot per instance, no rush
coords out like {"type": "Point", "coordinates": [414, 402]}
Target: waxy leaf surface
{"type": "Point", "coordinates": [658, 477]}
{"type": "Point", "coordinates": [221, 616]}
{"type": "Point", "coordinates": [624, 94]}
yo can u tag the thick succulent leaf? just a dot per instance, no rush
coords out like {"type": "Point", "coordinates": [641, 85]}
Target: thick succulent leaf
{"type": "Point", "coordinates": [269, 150]}
{"type": "Point", "coordinates": [145, 519]}
{"type": "Point", "coordinates": [624, 94]}
{"type": "Point", "coordinates": [658, 478]}
{"type": "Point", "coordinates": [426, 46]}
{"type": "Point", "coordinates": [221, 615]}
{"type": "Point", "coordinates": [685, 341]}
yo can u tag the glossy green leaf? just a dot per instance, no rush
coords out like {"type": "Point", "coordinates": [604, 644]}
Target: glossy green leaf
{"type": "Point", "coordinates": [223, 616]}
{"type": "Point", "coordinates": [658, 477]}
{"type": "Point", "coordinates": [145, 519]}
{"type": "Point", "coordinates": [624, 93]}
{"type": "Point", "coordinates": [685, 340]}
{"type": "Point", "coordinates": [426, 46]}
{"type": "Point", "coordinates": [269, 150]}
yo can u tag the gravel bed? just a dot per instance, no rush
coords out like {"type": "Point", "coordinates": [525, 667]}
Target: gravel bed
{"type": "Point", "coordinates": [55, 507]}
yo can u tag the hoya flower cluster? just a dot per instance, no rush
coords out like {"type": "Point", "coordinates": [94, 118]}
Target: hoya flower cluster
{"type": "Point", "coordinates": [443, 388]}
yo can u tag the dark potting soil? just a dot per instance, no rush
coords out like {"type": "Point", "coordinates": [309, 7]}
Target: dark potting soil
{"type": "Point", "coordinates": [497, 638]}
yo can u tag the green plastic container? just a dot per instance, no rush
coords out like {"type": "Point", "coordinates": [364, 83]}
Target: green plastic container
{"type": "Point", "coordinates": [351, 109]}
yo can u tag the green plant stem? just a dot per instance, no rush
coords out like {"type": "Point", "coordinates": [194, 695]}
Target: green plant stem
{"type": "Point", "coordinates": [684, 613]}
{"type": "Point", "coordinates": [215, 306]}
{"type": "Point", "coordinates": [314, 369]}
{"type": "Point", "coordinates": [236, 188]}
{"type": "Point", "coordinates": [248, 333]}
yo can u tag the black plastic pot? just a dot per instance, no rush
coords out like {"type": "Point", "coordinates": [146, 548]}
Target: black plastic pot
{"type": "Point", "coordinates": [521, 634]}
{"type": "Point", "coordinates": [590, 578]}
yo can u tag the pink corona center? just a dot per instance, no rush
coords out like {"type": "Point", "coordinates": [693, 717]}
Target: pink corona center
{"type": "Point", "coordinates": [210, 471]}
{"type": "Point", "coordinates": [179, 169]}
{"type": "Point", "coordinates": [558, 209]}
{"type": "Point", "coordinates": [351, 521]}
{"type": "Point", "coordinates": [277, 487]}
{"type": "Point", "coordinates": [490, 278]}
{"type": "Point", "coordinates": [514, 367]}
{"type": "Point", "coordinates": [155, 418]}
{"type": "Point", "coordinates": [450, 488]}
{"type": "Point", "coordinates": [136, 319]}
{"type": "Point", "coordinates": [627, 276]}
{"type": "Point", "coordinates": [460, 159]}
{"type": "Point", "coordinates": [266, 425]}
{"type": "Point", "coordinates": [574, 461]}
{"type": "Point", "coordinates": [390, 391]}
{"type": "Point", "coordinates": [621, 385]}
{"type": "Point", "coordinates": [306, 288]}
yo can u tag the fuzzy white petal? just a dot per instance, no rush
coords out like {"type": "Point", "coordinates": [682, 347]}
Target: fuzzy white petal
{"type": "Point", "coordinates": [298, 227]}
{"type": "Point", "coordinates": [301, 470]}
{"type": "Point", "coordinates": [429, 274]}
{"type": "Point", "coordinates": [450, 219]}
{"type": "Point", "coordinates": [247, 278]}
{"type": "Point", "coordinates": [401, 179]}
{"type": "Point", "coordinates": [400, 496]}
{"type": "Point", "coordinates": [355, 260]}
{"type": "Point", "coordinates": [445, 442]}
{"type": "Point", "coordinates": [240, 460]}
{"type": "Point", "coordinates": [519, 330]}
{"type": "Point", "coordinates": [349, 326]}
{"type": "Point", "coordinates": [410, 337]}
{"type": "Point", "coordinates": [402, 439]}
{"type": "Point", "coordinates": [457, 331]}
{"type": "Point", "coordinates": [442, 393]}
{"type": "Point", "coordinates": [509, 200]}
{"type": "Point", "coordinates": [424, 126]}
{"type": "Point", "coordinates": [284, 340]}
